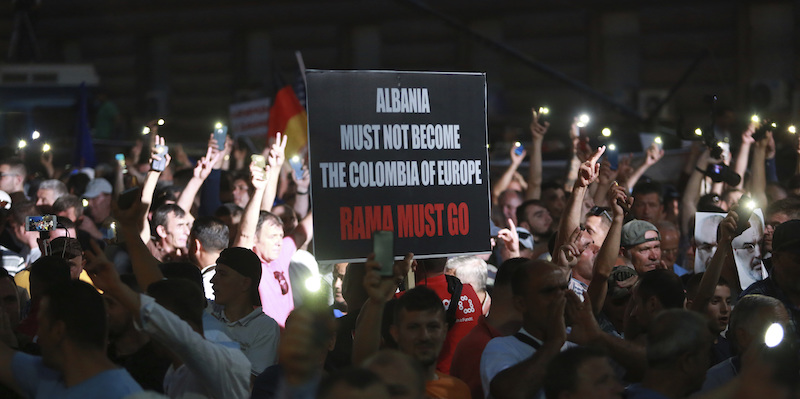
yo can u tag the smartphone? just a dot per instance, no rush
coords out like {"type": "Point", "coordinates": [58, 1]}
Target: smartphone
{"type": "Point", "coordinates": [658, 143]}
{"type": "Point", "coordinates": [383, 247]}
{"type": "Point", "coordinates": [40, 223]}
{"type": "Point", "coordinates": [127, 198]}
{"type": "Point", "coordinates": [121, 161]}
{"type": "Point", "coordinates": [743, 211]}
{"type": "Point", "coordinates": [543, 114]}
{"type": "Point", "coordinates": [518, 148]}
{"type": "Point", "coordinates": [613, 158]}
{"type": "Point", "coordinates": [259, 161]}
{"type": "Point", "coordinates": [297, 166]}
{"type": "Point", "coordinates": [220, 134]}
{"type": "Point", "coordinates": [161, 164]}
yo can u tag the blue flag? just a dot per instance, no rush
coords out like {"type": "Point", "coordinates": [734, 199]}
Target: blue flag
{"type": "Point", "coordinates": [84, 149]}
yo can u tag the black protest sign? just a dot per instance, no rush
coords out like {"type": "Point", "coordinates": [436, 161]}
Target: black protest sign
{"type": "Point", "coordinates": [398, 151]}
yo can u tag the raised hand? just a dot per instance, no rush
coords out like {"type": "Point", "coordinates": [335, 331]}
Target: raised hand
{"type": "Point", "coordinates": [510, 239]}
{"type": "Point", "coordinates": [132, 217]}
{"type": "Point", "coordinates": [380, 289]}
{"type": "Point", "coordinates": [653, 155]}
{"type": "Point", "coordinates": [158, 140]}
{"type": "Point", "coordinates": [584, 326]}
{"type": "Point", "coordinates": [303, 182]}
{"type": "Point", "coordinates": [538, 130]}
{"type": "Point", "coordinates": [590, 169]}
{"type": "Point", "coordinates": [619, 199]}
{"type": "Point", "coordinates": [101, 270]}
{"type": "Point", "coordinates": [570, 252]}
{"type": "Point", "coordinates": [278, 151]}
{"type": "Point", "coordinates": [517, 159]}
{"type": "Point", "coordinates": [259, 176]}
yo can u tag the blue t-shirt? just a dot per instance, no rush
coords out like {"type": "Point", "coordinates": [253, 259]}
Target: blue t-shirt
{"type": "Point", "coordinates": [39, 381]}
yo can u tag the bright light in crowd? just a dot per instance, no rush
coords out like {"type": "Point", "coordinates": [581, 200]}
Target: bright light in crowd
{"type": "Point", "coordinates": [218, 125]}
{"type": "Point", "coordinates": [46, 147]}
{"type": "Point", "coordinates": [313, 284]}
{"type": "Point", "coordinates": [774, 335]}
{"type": "Point", "coordinates": [606, 132]}
{"type": "Point", "coordinates": [160, 122]}
{"type": "Point", "coordinates": [295, 158]}
{"type": "Point", "coordinates": [22, 144]}
{"type": "Point", "coordinates": [792, 129]}
{"type": "Point", "coordinates": [85, 202]}
{"type": "Point", "coordinates": [773, 124]}
{"type": "Point", "coordinates": [612, 147]}
{"type": "Point", "coordinates": [698, 132]}
{"type": "Point", "coordinates": [750, 204]}
{"type": "Point", "coordinates": [755, 119]}
{"type": "Point", "coordinates": [583, 120]}
{"type": "Point", "coordinates": [113, 225]}
{"type": "Point", "coordinates": [517, 144]}
{"type": "Point", "coordinates": [35, 135]}
{"type": "Point", "coordinates": [146, 130]}
{"type": "Point", "coordinates": [657, 140]}
{"type": "Point", "coordinates": [720, 144]}
{"type": "Point", "coordinates": [544, 110]}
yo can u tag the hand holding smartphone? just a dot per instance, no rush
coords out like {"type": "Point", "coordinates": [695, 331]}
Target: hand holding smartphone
{"type": "Point", "coordinates": [383, 247]}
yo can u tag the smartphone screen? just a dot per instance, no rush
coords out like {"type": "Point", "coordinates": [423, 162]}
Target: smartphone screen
{"type": "Point", "coordinates": [297, 166]}
{"type": "Point", "coordinates": [40, 223]}
{"type": "Point", "coordinates": [383, 247]}
{"type": "Point", "coordinates": [259, 161]}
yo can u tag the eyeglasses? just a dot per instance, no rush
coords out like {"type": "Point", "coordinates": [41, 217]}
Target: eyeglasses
{"type": "Point", "coordinates": [599, 210]}
{"type": "Point", "coordinates": [282, 281]}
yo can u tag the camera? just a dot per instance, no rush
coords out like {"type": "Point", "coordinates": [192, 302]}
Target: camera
{"type": "Point", "coordinates": [722, 173]}
{"type": "Point", "coordinates": [40, 223]}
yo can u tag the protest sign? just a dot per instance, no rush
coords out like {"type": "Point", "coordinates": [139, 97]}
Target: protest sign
{"type": "Point", "coordinates": [250, 118]}
{"type": "Point", "coordinates": [398, 151]}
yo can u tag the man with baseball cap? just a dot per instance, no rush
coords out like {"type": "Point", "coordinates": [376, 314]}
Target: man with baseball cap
{"type": "Point", "coordinates": [641, 245]}
{"type": "Point", "coordinates": [237, 306]}
{"type": "Point", "coordinates": [784, 281]}
{"type": "Point", "coordinates": [98, 193]}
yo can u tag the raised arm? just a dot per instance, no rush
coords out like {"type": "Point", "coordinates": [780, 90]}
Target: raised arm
{"type": "Point", "coordinates": [149, 188]}
{"type": "Point", "coordinates": [130, 221]}
{"type": "Point", "coordinates": [607, 256]}
{"type": "Point", "coordinates": [740, 166]}
{"type": "Point", "coordinates": [106, 278]}
{"type": "Point", "coordinates": [691, 194]}
{"type": "Point", "coordinates": [201, 172]}
{"type": "Point", "coordinates": [276, 157]}
{"type": "Point", "coordinates": [571, 219]}
{"type": "Point", "coordinates": [538, 131]}
{"type": "Point", "coordinates": [526, 378]}
{"type": "Point", "coordinates": [577, 156]}
{"type": "Point", "coordinates": [705, 291]}
{"type": "Point", "coordinates": [247, 229]}
{"type": "Point", "coordinates": [508, 175]}
{"type": "Point", "coordinates": [651, 157]}
{"type": "Point", "coordinates": [758, 179]}
{"type": "Point", "coordinates": [367, 335]}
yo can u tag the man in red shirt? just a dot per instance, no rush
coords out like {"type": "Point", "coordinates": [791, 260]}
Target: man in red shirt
{"type": "Point", "coordinates": [430, 273]}
{"type": "Point", "coordinates": [504, 319]}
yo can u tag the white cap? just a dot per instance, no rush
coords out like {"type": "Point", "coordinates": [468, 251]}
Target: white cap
{"type": "Point", "coordinates": [97, 187]}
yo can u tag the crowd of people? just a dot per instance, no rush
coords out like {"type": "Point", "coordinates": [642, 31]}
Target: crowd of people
{"type": "Point", "coordinates": [167, 277]}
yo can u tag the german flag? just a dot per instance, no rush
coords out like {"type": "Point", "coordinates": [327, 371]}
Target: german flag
{"type": "Point", "coordinates": [288, 116]}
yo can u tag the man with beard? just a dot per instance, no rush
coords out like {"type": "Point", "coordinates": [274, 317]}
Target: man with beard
{"type": "Point", "coordinates": [533, 220]}
{"type": "Point", "coordinates": [418, 327]}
